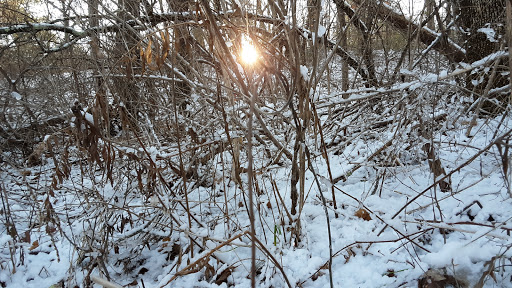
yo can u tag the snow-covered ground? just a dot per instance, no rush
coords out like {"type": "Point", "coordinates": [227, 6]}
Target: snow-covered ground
{"type": "Point", "coordinates": [464, 233]}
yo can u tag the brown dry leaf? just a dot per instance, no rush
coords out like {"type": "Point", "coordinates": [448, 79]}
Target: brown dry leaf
{"type": "Point", "coordinates": [50, 229]}
{"type": "Point", "coordinates": [26, 237]}
{"type": "Point", "coordinates": [209, 272]}
{"type": "Point", "coordinates": [35, 244]}
{"type": "Point", "coordinates": [143, 271]}
{"type": "Point", "coordinates": [390, 273]}
{"type": "Point", "coordinates": [315, 276]}
{"type": "Point", "coordinates": [26, 172]}
{"type": "Point", "coordinates": [147, 52]}
{"type": "Point", "coordinates": [166, 46]}
{"type": "Point", "coordinates": [176, 251]}
{"type": "Point", "coordinates": [223, 276]}
{"type": "Point", "coordinates": [349, 255]}
{"type": "Point", "coordinates": [363, 214]}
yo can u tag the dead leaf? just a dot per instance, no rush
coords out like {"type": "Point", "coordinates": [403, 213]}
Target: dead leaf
{"type": "Point", "coordinates": [349, 255]}
{"type": "Point", "coordinates": [223, 276]}
{"type": "Point", "coordinates": [50, 229]}
{"type": "Point", "coordinates": [143, 270]}
{"type": "Point", "coordinates": [147, 52]}
{"type": "Point", "coordinates": [363, 214]}
{"type": "Point", "coordinates": [35, 244]}
{"type": "Point", "coordinates": [315, 276]}
{"type": "Point", "coordinates": [194, 267]}
{"type": "Point", "coordinates": [390, 273]}
{"type": "Point", "coordinates": [26, 237]}
{"type": "Point", "coordinates": [209, 272]}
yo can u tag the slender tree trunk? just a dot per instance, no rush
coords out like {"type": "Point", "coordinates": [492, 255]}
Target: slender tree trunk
{"type": "Point", "coordinates": [95, 46]}
{"type": "Point", "coordinates": [183, 47]}
{"type": "Point", "coordinates": [344, 65]}
{"type": "Point", "coordinates": [429, 9]}
{"type": "Point", "coordinates": [101, 101]}
{"type": "Point", "coordinates": [509, 38]}
{"type": "Point", "coordinates": [126, 51]}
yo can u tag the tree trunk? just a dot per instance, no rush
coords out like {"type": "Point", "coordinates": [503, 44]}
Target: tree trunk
{"type": "Point", "coordinates": [478, 14]}
{"type": "Point", "coordinates": [344, 65]}
{"type": "Point", "coordinates": [429, 9]}
{"type": "Point", "coordinates": [476, 18]}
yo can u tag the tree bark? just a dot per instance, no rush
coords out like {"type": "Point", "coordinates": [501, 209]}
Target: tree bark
{"type": "Point", "coordinates": [429, 9]}
{"type": "Point", "coordinates": [344, 64]}
{"type": "Point", "coordinates": [476, 19]}
{"type": "Point", "coordinates": [475, 15]}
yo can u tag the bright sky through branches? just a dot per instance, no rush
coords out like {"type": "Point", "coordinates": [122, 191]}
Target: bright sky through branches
{"type": "Point", "coordinates": [249, 54]}
{"type": "Point", "coordinates": [411, 6]}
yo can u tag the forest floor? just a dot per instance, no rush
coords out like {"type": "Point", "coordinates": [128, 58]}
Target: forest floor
{"type": "Point", "coordinates": [386, 231]}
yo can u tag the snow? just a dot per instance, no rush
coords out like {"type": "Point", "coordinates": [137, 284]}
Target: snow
{"type": "Point", "coordinates": [88, 116]}
{"type": "Point", "coordinates": [489, 32]}
{"type": "Point", "coordinates": [304, 72]}
{"type": "Point", "coordinates": [16, 95]}
{"type": "Point", "coordinates": [356, 263]}
{"type": "Point", "coordinates": [321, 31]}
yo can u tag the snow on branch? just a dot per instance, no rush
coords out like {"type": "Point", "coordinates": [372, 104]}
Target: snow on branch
{"type": "Point", "coordinates": [365, 94]}
{"type": "Point", "coordinates": [52, 26]}
{"type": "Point", "coordinates": [36, 27]}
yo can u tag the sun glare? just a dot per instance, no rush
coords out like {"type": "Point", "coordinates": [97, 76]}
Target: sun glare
{"type": "Point", "coordinates": [249, 54]}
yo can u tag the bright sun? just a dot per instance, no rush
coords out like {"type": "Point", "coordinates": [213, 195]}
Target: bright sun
{"type": "Point", "coordinates": [249, 55]}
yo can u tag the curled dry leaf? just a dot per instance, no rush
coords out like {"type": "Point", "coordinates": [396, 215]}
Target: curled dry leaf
{"type": "Point", "coordinates": [363, 214]}
{"type": "Point", "coordinates": [317, 275]}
